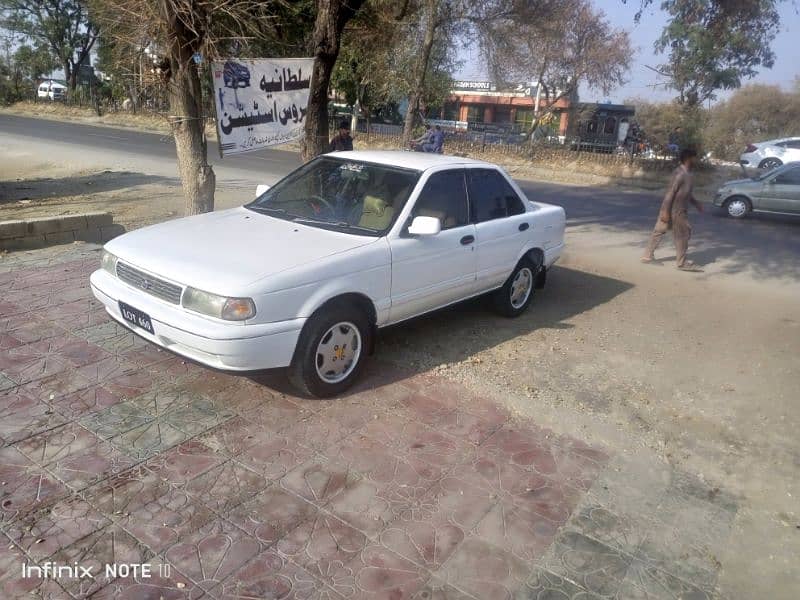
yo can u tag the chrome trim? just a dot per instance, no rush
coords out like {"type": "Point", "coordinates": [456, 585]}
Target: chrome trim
{"type": "Point", "coordinates": [155, 286]}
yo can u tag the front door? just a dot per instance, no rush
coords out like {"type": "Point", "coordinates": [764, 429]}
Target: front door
{"type": "Point", "coordinates": [782, 192]}
{"type": "Point", "coordinates": [434, 270]}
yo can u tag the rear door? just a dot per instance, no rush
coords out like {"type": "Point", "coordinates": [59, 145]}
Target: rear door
{"type": "Point", "coordinates": [502, 225]}
{"type": "Point", "coordinates": [782, 192]}
{"type": "Point", "coordinates": [433, 270]}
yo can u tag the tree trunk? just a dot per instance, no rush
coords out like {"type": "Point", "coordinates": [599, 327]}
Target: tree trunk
{"type": "Point", "coordinates": [187, 120]}
{"type": "Point", "coordinates": [421, 70]}
{"type": "Point", "coordinates": [332, 16]}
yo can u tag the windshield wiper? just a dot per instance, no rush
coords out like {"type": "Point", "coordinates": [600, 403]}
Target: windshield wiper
{"type": "Point", "coordinates": [267, 209]}
{"type": "Point", "coordinates": [336, 224]}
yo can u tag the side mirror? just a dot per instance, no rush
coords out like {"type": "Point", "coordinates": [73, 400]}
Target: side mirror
{"type": "Point", "coordinates": [260, 189]}
{"type": "Point", "coordinates": [425, 226]}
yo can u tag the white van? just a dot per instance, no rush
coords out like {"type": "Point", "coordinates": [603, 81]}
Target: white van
{"type": "Point", "coordinates": [52, 90]}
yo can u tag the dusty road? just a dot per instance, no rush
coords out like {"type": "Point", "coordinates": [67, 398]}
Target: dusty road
{"type": "Point", "coordinates": [695, 370]}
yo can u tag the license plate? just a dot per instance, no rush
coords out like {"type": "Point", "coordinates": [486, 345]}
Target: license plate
{"type": "Point", "coordinates": [136, 317]}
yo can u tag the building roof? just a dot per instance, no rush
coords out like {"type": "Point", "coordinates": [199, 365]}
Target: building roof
{"type": "Point", "coordinates": [419, 161]}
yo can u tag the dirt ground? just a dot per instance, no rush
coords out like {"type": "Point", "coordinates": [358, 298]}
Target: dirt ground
{"type": "Point", "coordinates": [699, 371]}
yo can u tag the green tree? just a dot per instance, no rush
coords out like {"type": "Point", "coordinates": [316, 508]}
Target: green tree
{"type": "Point", "coordinates": [62, 26]}
{"type": "Point", "coordinates": [714, 45]}
{"type": "Point", "coordinates": [752, 114]}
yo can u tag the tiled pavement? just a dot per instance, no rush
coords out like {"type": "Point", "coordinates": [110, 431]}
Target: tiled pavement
{"type": "Point", "coordinates": [112, 452]}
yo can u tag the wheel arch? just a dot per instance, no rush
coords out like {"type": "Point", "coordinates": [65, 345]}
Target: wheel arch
{"type": "Point", "coordinates": [350, 299]}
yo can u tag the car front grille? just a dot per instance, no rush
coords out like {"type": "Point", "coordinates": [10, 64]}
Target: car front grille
{"type": "Point", "coordinates": [148, 283]}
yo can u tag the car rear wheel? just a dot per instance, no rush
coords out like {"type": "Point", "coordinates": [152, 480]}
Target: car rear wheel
{"type": "Point", "coordinates": [515, 296]}
{"type": "Point", "coordinates": [331, 351]}
{"type": "Point", "coordinates": [737, 207]}
{"type": "Point", "coordinates": [770, 163]}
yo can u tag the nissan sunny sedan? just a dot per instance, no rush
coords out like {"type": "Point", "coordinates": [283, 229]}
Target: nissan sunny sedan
{"type": "Point", "coordinates": [305, 275]}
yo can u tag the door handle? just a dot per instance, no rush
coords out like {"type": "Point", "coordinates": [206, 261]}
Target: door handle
{"type": "Point", "coordinates": [523, 226]}
{"type": "Point", "coordinates": [467, 240]}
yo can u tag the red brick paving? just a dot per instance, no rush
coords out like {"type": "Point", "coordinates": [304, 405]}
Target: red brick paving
{"type": "Point", "coordinates": [117, 452]}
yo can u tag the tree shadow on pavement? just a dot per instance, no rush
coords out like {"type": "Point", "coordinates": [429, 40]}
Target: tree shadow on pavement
{"type": "Point", "coordinates": [458, 332]}
{"type": "Point", "coordinates": [56, 187]}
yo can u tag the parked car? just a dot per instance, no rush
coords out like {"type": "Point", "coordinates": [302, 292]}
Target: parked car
{"type": "Point", "coordinates": [772, 153]}
{"type": "Point", "coordinates": [235, 75]}
{"type": "Point", "coordinates": [51, 90]}
{"type": "Point", "coordinates": [776, 191]}
{"type": "Point", "coordinates": [348, 243]}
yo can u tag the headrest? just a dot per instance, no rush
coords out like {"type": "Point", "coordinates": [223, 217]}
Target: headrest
{"type": "Point", "coordinates": [374, 205]}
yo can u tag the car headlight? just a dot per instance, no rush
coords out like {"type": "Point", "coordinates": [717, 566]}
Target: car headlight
{"type": "Point", "coordinates": [109, 263]}
{"type": "Point", "coordinates": [229, 309]}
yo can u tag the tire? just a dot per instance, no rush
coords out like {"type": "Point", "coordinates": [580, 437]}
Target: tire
{"type": "Point", "coordinates": [331, 351]}
{"type": "Point", "coordinates": [770, 163]}
{"type": "Point", "coordinates": [525, 273]}
{"type": "Point", "coordinates": [737, 207]}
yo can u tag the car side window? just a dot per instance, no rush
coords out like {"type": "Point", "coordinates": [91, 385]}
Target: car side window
{"type": "Point", "coordinates": [491, 196]}
{"type": "Point", "coordinates": [794, 144]}
{"type": "Point", "coordinates": [444, 197]}
{"type": "Point", "coordinates": [790, 177]}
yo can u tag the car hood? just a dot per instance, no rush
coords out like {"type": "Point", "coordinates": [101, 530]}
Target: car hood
{"type": "Point", "coordinates": [223, 252]}
{"type": "Point", "coordinates": [738, 182]}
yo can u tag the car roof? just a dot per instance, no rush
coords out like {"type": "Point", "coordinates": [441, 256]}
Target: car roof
{"type": "Point", "coordinates": [779, 140]}
{"type": "Point", "coordinates": [419, 161]}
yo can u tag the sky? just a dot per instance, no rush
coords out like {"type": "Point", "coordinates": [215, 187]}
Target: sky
{"type": "Point", "coordinates": [643, 35]}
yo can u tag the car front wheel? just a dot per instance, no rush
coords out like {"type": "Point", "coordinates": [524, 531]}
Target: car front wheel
{"type": "Point", "coordinates": [737, 207]}
{"type": "Point", "coordinates": [770, 163]}
{"type": "Point", "coordinates": [331, 351]}
{"type": "Point", "coordinates": [515, 296]}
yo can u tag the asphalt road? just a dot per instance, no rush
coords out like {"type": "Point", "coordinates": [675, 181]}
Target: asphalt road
{"type": "Point", "coordinates": [764, 246]}
{"type": "Point", "coordinates": [156, 145]}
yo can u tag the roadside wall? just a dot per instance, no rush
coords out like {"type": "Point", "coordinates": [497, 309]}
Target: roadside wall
{"type": "Point", "coordinates": [98, 227]}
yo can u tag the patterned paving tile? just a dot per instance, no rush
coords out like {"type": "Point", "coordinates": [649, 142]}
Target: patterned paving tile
{"type": "Point", "coordinates": [44, 532]}
{"type": "Point", "coordinates": [21, 416]}
{"type": "Point", "coordinates": [185, 462]}
{"type": "Point", "coordinates": [172, 586]}
{"type": "Point", "coordinates": [162, 522]}
{"type": "Point", "coordinates": [543, 585]}
{"type": "Point", "coordinates": [149, 439]}
{"type": "Point", "coordinates": [116, 419]}
{"type": "Point", "coordinates": [602, 524]}
{"type": "Point", "coordinates": [212, 553]}
{"type": "Point", "coordinates": [525, 534]}
{"type": "Point", "coordinates": [226, 486]}
{"type": "Point", "coordinates": [109, 546]}
{"type": "Point", "coordinates": [271, 576]}
{"type": "Point", "coordinates": [436, 589]}
{"type": "Point", "coordinates": [485, 571]}
{"type": "Point", "coordinates": [318, 479]}
{"type": "Point", "coordinates": [83, 402]}
{"type": "Point", "coordinates": [25, 486]}
{"type": "Point", "coordinates": [594, 566]}
{"type": "Point", "coordinates": [324, 545]}
{"type": "Point", "coordinates": [276, 456]}
{"type": "Point", "coordinates": [380, 573]}
{"type": "Point", "coordinates": [271, 514]}
{"type": "Point", "coordinates": [127, 492]}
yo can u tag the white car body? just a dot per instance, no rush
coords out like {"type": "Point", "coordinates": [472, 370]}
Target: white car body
{"type": "Point", "coordinates": [772, 153]}
{"type": "Point", "coordinates": [51, 90]}
{"type": "Point", "coordinates": [290, 269]}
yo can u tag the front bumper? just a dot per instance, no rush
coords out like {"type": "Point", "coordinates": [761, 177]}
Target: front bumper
{"type": "Point", "coordinates": [229, 346]}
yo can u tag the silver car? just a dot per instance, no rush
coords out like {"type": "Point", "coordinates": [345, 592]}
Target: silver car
{"type": "Point", "coordinates": [776, 191]}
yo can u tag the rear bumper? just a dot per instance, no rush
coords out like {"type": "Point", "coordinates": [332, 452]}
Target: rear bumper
{"type": "Point", "coordinates": [551, 255]}
{"type": "Point", "coordinates": [228, 346]}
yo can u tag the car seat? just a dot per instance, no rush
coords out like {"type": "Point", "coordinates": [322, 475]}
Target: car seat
{"type": "Point", "coordinates": [377, 213]}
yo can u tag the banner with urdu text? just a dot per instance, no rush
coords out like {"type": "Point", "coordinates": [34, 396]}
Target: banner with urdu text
{"type": "Point", "coordinates": [260, 102]}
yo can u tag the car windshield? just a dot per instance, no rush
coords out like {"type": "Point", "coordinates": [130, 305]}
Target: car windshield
{"type": "Point", "coordinates": [335, 193]}
{"type": "Point", "coordinates": [767, 173]}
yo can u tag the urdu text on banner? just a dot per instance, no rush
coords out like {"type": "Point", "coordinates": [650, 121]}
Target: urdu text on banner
{"type": "Point", "coordinates": [260, 102]}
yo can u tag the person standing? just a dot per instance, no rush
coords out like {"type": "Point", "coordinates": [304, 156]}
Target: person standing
{"type": "Point", "coordinates": [674, 213]}
{"type": "Point", "coordinates": [342, 141]}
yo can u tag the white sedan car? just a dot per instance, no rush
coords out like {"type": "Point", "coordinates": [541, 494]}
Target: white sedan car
{"type": "Point", "coordinates": [348, 243]}
{"type": "Point", "coordinates": [772, 153]}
